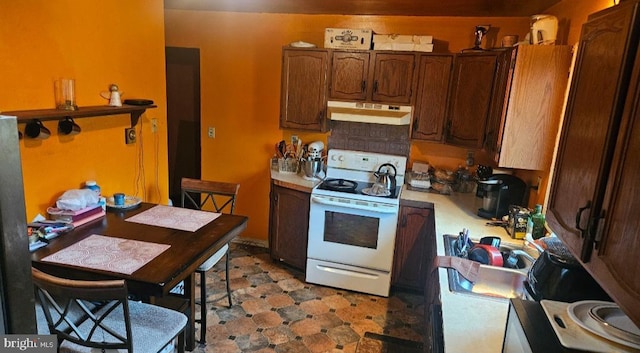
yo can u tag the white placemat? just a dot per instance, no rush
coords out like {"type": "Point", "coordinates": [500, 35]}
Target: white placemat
{"type": "Point", "coordinates": [174, 218]}
{"type": "Point", "coordinates": [108, 253]}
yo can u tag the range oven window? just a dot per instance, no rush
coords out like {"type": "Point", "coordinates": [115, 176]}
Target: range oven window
{"type": "Point", "coordinates": [351, 229]}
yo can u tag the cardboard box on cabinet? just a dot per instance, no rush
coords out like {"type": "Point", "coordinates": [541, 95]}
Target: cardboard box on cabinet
{"type": "Point", "coordinates": [346, 38]}
{"type": "Point", "coordinates": [402, 42]}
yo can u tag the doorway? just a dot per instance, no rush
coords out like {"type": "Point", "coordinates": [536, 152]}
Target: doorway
{"type": "Point", "coordinates": [183, 116]}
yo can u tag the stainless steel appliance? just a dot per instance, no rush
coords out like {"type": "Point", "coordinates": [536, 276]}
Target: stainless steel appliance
{"type": "Point", "coordinates": [498, 192]}
{"type": "Point", "coordinates": [352, 225]}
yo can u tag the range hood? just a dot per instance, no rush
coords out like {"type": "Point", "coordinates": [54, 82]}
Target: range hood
{"type": "Point", "coordinates": [373, 113]}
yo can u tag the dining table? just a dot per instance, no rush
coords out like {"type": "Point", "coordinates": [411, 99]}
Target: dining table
{"type": "Point", "coordinates": [149, 246]}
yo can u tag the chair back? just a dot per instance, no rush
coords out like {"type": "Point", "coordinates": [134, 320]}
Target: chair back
{"type": "Point", "coordinates": [196, 193]}
{"type": "Point", "coordinates": [88, 313]}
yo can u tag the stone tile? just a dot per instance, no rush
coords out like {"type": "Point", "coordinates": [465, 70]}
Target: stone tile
{"type": "Point", "coordinates": [295, 346]}
{"type": "Point", "coordinates": [314, 307]}
{"type": "Point", "coordinates": [336, 301]}
{"type": "Point", "coordinates": [241, 326]}
{"type": "Point", "coordinates": [362, 326]}
{"type": "Point", "coordinates": [255, 306]}
{"type": "Point", "coordinates": [252, 342]}
{"type": "Point", "coordinates": [318, 343]}
{"type": "Point", "coordinates": [267, 289]}
{"type": "Point", "coordinates": [352, 313]}
{"type": "Point", "coordinates": [291, 284]}
{"type": "Point", "coordinates": [222, 346]}
{"type": "Point", "coordinates": [279, 334]}
{"type": "Point", "coordinates": [267, 319]}
{"type": "Point", "coordinates": [306, 327]}
{"type": "Point", "coordinates": [328, 320]}
{"type": "Point", "coordinates": [259, 278]}
{"type": "Point", "coordinates": [342, 335]}
{"type": "Point", "coordinates": [279, 300]}
{"type": "Point", "coordinates": [291, 313]}
{"type": "Point", "coordinates": [301, 295]}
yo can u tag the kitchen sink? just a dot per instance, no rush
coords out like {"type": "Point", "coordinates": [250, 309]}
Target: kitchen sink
{"type": "Point", "coordinates": [493, 281]}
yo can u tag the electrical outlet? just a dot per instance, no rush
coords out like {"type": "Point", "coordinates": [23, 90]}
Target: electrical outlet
{"type": "Point", "coordinates": [129, 135]}
{"type": "Point", "coordinates": [212, 132]}
{"type": "Point", "coordinates": [154, 125]}
{"type": "Point", "coordinates": [294, 140]}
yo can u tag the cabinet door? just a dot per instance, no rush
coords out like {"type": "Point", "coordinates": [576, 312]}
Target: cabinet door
{"type": "Point", "coordinates": [416, 234]}
{"type": "Point", "coordinates": [590, 125]}
{"type": "Point", "coordinates": [617, 244]}
{"type": "Point", "coordinates": [349, 73]}
{"type": "Point", "coordinates": [289, 226]}
{"type": "Point", "coordinates": [434, 73]}
{"type": "Point", "coordinates": [304, 85]}
{"type": "Point", "coordinates": [470, 99]}
{"type": "Point", "coordinates": [393, 77]}
{"type": "Point", "coordinates": [534, 106]}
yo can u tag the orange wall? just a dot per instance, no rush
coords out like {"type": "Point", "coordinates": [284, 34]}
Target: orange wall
{"type": "Point", "coordinates": [97, 43]}
{"type": "Point", "coordinates": [240, 58]}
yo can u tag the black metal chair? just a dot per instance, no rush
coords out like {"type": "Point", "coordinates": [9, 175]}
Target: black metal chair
{"type": "Point", "coordinates": [217, 197]}
{"type": "Point", "coordinates": [90, 315]}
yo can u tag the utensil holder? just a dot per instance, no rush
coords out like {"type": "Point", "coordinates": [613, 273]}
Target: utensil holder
{"type": "Point", "coordinates": [288, 165]}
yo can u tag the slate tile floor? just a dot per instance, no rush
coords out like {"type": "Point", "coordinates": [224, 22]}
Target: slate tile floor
{"type": "Point", "coordinates": [274, 310]}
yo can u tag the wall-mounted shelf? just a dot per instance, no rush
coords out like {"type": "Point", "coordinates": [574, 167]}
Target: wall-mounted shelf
{"type": "Point", "coordinates": [25, 116]}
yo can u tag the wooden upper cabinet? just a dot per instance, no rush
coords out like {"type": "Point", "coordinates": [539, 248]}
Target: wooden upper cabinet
{"type": "Point", "coordinates": [471, 98]}
{"type": "Point", "coordinates": [434, 74]}
{"type": "Point", "coordinates": [349, 74]}
{"type": "Point", "coordinates": [393, 78]}
{"type": "Point", "coordinates": [533, 107]}
{"type": "Point", "coordinates": [594, 194]}
{"type": "Point", "coordinates": [372, 76]}
{"type": "Point", "coordinates": [304, 87]}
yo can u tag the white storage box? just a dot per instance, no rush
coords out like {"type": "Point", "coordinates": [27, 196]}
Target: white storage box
{"type": "Point", "coordinates": [402, 38]}
{"type": "Point", "coordinates": [345, 38]}
{"type": "Point", "coordinates": [402, 42]}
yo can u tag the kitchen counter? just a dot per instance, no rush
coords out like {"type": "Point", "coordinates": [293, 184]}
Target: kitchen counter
{"type": "Point", "coordinates": [294, 181]}
{"type": "Point", "coordinates": [470, 323]}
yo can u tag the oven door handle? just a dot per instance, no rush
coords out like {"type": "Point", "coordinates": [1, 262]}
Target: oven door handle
{"type": "Point", "coordinates": [379, 209]}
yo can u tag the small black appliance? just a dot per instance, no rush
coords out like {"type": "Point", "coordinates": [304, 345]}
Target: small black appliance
{"type": "Point", "coordinates": [498, 192]}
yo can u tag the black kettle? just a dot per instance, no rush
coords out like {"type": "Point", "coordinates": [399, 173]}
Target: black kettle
{"type": "Point", "coordinates": [386, 178]}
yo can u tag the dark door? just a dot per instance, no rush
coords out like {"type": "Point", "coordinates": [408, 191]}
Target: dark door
{"type": "Point", "coordinates": [183, 116]}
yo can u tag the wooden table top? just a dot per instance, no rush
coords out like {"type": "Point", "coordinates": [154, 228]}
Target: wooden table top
{"type": "Point", "coordinates": [188, 249]}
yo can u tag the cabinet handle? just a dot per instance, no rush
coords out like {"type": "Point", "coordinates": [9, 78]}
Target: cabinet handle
{"type": "Point", "coordinates": [598, 227]}
{"type": "Point", "coordinates": [579, 216]}
{"type": "Point", "coordinates": [363, 86]}
{"type": "Point", "coordinates": [375, 86]}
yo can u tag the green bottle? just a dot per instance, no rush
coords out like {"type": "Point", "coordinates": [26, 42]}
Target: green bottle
{"type": "Point", "coordinates": [537, 218]}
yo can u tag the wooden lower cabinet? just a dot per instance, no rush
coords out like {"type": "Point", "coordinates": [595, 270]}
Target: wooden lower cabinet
{"type": "Point", "coordinates": [415, 243]}
{"type": "Point", "coordinates": [289, 225]}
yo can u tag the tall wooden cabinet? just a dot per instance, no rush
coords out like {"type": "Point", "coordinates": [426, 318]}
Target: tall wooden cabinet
{"type": "Point", "coordinates": [434, 75]}
{"type": "Point", "coordinates": [594, 196]}
{"type": "Point", "coordinates": [535, 89]}
{"type": "Point", "coordinates": [476, 76]}
{"type": "Point", "coordinates": [289, 225]}
{"type": "Point", "coordinates": [303, 102]}
{"type": "Point", "coordinates": [373, 76]}
{"type": "Point", "coordinates": [415, 244]}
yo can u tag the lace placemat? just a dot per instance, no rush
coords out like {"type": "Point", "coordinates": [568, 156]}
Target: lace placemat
{"type": "Point", "coordinates": [108, 253]}
{"type": "Point", "coordinates": [174, 218]}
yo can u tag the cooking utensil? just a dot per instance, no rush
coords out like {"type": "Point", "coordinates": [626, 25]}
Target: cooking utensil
{"type": "Point", "coordinates": [579, 313]}
{"type": "Point", "coordinates": [486, 254]}
{"type": "Point", "coordinates": [386, 178]}
{"type": "Point", "coordinates": [282, 148]}
{"type": "Point", "coordinates": [615, 322]}
{"type": "Point", "coordinates": [492, 240]}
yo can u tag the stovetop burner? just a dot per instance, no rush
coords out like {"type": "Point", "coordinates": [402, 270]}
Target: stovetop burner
{"type": "Point", "coordinates": [341, 185]}
{"type": "Point", "coordinates": [352, 187]}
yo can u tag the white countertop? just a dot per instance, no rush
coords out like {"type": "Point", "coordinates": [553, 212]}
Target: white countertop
{"type": "Point", "coordinates": [470, 323]}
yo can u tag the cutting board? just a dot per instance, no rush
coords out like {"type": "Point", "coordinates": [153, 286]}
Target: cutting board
{"type": "Point", "coordinates": [575, 337]}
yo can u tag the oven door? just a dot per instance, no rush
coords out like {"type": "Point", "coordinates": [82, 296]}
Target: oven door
{"type": "Point", "coordinates": [356, 234]}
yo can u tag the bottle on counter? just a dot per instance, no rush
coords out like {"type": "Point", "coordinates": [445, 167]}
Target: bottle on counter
{"type": "Point", "coordinates": [537, 221]}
